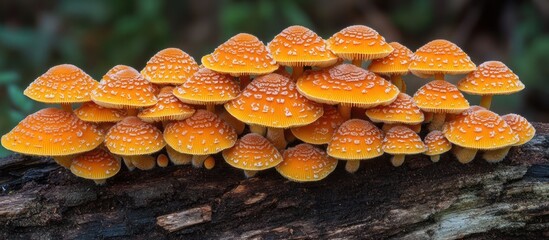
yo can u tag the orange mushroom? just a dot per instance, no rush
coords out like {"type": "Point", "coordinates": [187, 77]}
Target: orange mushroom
{"type": "Point", "coordinates": [387, 126]}
{"type": "Point", "coordinates": [168, 108]}
{"type": "Point", "coordinates": [321, 130]}
{"type": "Point", "coordinates": [306, 163]}
{"type": "Point", "coordinates": [162, 160]}
{"type": "Point", "coordinates": [401, 111]}
{"type": "Point", "coordinates": [170, 66]}
{"type": "Point", "coordinates": [252, 153]}
{"type": "Point", "coordinates": [97, 165]}
{"type": "Point", "coordinates": [104, 117]}
{"type": "Point", "coordinates": [438, 58]}
{"type": "Point", "coordinates": [521, 127]}
{"type": "Point", "coordinates": [400, 141]}
{"type": "Point", "coordinates": [437, 144]}
{"type": "Point", "coordinates": [394, 65]}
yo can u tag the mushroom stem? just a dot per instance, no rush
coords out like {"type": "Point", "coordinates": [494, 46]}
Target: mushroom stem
{"type": "Point", "coordinates": [64, 161]}
{"type": "Point", "coordinates": [345, 111]}
{"type": "Point", "coordinates": [403, 89]}
{"type": "Point", "coordinates": [249, 173]}
{"type": "Point", "coordinates": [289, 136]}
{"type": "Point", "coordinates": [178, 158]}
{"type": "Point", "coordinates": [435, 158]}
{"type": "Point", "coordinates": [67, 107]}
{"type": "Point", "coordinates": [258, 129]}
{"type": "Point", "coordinates": [497, 155]}
{"type": "Point", "coordinates": [128, 163]}
{"type": "Point", "coordinates": [100, 181]}
{"type": "Point", "coordinates": [235, 123]}
{"type": "Point", "coordinates": [351, 166]}
{"type": "Point", "coordinates": [276, 136]}
{"type": "Point", "coordinates": [144, 162]}
{"type": "Point", "coordinates": [296, 72]}
{"type": "Point", "coordinates": [198, 160]}
{"type": "Point", "coordinates": [439, 76]}
{"type": "Point", "coordinates": [244, 81]}
{"type": "Point", "coordinates": [133, 112]}
{"type": "Point", "coordinates": [357, 62]}
{"type": "Point", "coordinates": [428, 117]}
{"type": "Point", "coordinates": [209, 163]}
{"type": "Point", "coordinates": [398, 160]}
{"type": "Point", "coordinates": [437, 122]}
{"type": "Point", "coordinates": [464, 155]}
{"type": "Point", "coordinates": [486, 101]}
{"type": "Point", "coordinates": [210, 107]}
{"type": "Point", "coordinates": [397, 81]}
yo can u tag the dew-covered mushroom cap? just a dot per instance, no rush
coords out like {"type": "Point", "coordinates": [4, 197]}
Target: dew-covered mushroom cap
{"type": "Point", "coordinates": [95, 165]}
{"type": "Point", "coordinates": [521, 127]}
{"type": "Point", "coordinates": [252, 152]}
{"type": "Point", "coordinates": [359, 42]}
{"type": "Point", "coordinates": [436, 143]}
{"type": "Point", "coordinates": [170, 66]}
{"type": "Point", "coordinates": [133, 137]}
{"type": "Point", "coordinates": [207, 87]}
{"type": "Point", "coordinates": [491, 78]}
{"type": "Point", "coordinates": [306, 163]}
{"type": "Point", "coordinates": [124, 89]}
{"type": "Point", "coordinates": [401, 140]}
{"type": "Point", "coordinates": [356, 139]}
{"type": "Point", "coordinates": [440, 97]}
{"type": "Point", "coordinates": [91, 112]}
{"type": "Point", "coordinates": [321, 130]}
{"type": "Point", "coordinates": [396, 63]}
{"type": "Point", "coordinates": [52, 132]}
{"type": "Point", "coordinates": [440, 56]}
{"type": "Point", "coordinates": [168, 108]}
{"type": "Point", "coordinates": [402, 110]}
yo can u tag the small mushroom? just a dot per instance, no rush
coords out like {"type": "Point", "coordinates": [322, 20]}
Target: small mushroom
{"type": "Point", "coordinates": [306, 163]}
{"type": "Point", "coordinates": [97, 165]}
{"type": "Point", "coordinates": [521, 127]}
{"type": "Point", "coordinates": [162, 160]}
{"type": "Point", "coordinates": [209, 163]}
{"type": "Point", "coordinates": [401, 141]}
{"type": "Point", "coordinates": [321, 130]}
{"type": "Point", "coordinates": [401, 111]}
{"type": "Point", "coordinates": [437, 144]}
{"type": "Point", "coordinates": [394, 65]}
{"type": "Point", "coordinates": [387, 126]}
{"type": "Point", "coordinates": [252, 153]}
{"type": "Point", "coordinates": [169, 66]}
{"type": "Point", "coordinates": [168, 108]}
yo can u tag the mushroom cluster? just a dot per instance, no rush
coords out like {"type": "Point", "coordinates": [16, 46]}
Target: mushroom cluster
{"type": "Point", "coordinates": [294, 105]}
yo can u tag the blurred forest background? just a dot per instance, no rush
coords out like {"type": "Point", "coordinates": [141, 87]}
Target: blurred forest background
{"type": "Point", "coordinates": [98, 34]}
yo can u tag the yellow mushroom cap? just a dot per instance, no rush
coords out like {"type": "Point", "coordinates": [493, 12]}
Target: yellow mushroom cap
{"type": "Point", "coordinates": [396, 63]}
{"type": "Point", "coordinates": [52, 132]}
{"type": "Point", "coordinates": [273, 101]}
{"type": "Point", "coordinates": [440, 97]}
{"type": "Point", "coordinates": [480, 129]}
{"type": "Point", "coordinates": [401, 140]}
{"type": "Point", "coordinates": [521, 127]}
{"type": "Point", "coordinates": [299, 46]}
{"type": "Point", "coordinates": [356, 139]}
{"type": "Point", "coordinates": [96, 165]}
{"type": "Point", "coordinates": [440, 56]}
{"type": "Point", "coordinates": [64, 83]}
{"type": "Point", "coordinates": [359, 42]}
{"type": "Point", "coordinates": [201, 134]}
{"type": "Point", "coordinates": [321, 130]}
{"type": "Point", "coordinates": [169, 66]}
{"type": "Point", "coordinates": [133, 137]}
{"type": "Point", "coordinates": [91, 112]}
{"type": "Point", "coordinates": [252, 152]}
{"type": "Point", "coordinates": [306, 163]}
{"type": "Point", "coordinates": [207, 87]}
{"type": "Point", "coordinates": [116, 69]}
{"type": "Point", "coordinates": [402, 110]}
{"type": "Point", "coordinates": [348, 85]}
{"type": "Point", "coordinates": [243, 54]}
{"type": "Point", "coordinates": [436, 143]}
{"type": "Point", "coordinates": [168, 108]}
{"type": "Point", "coordinates": [124, 89]}
{"type": "Point", "coordinates": [471, 109]}
{"type": "Point", "coordinates": [491, 78]}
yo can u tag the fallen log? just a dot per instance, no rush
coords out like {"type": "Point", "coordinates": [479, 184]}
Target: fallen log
{"type": "Point", "coordinates": [420, 200]}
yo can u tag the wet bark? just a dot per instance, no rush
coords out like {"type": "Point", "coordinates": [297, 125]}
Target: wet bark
{"type": "Point", "coordinates": [420, 200]}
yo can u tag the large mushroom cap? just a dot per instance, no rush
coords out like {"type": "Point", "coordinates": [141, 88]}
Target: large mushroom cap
{"type": "Point", "coordinates": [306, 163]}
{"type": "Point", "coordinates": [396, 63]}
{"type": "Point", "coordinates": [52, 132]}
{"type": "Point", "coordinates": [491, 78]}
{"type": "Point", "coordinates": [252, 152]}
{"type": "Point", "coordinates": [321, 130]}
{"type": "Point", "coordinates": [402, 110]}
{"type": "Point", "coordinates": [299, 46]}
{"type": "Point", "coordinates": [436, 143]}
{"type": "Point", "coordinates": [480, 129]}
{"type": "Point", "coordinates": [521, 127]}
{"type": "Point", "coordinates": [91, 112]}
{"type": "Point", "coordinates": [201, 134]}
{"type": "Point", "coordinates": [401, 140]}
{"type": "Point", "coordinates": [168, 108]}
{"type": "Point", "coordinates": [170, 66]}
{"type": "Point", "coordinates": [356, 139]}
{"type": "Point", "coordinates": [96, 165]}
{"type": "Point", "coordinates": [64, 83]}
{"type": "Point", "coordinates": [471, 109]}
{"type": "Point", "coordinates": [124, 89]}
{"type": "Point", "coordinates": [359, 42]}
{"type": "Point", "coordinates": [243, 54]}
{"type": "Point", "coordinates": [273, 101]}
{"type": "Point", "coordinates": [207, 86]}
{"type": "Point", "coordinates": [348, 85]}
{"type": "Point", "coordinates": [133, 137]}
{"type": "Point", "coordinates": [440, 56]}
{"type": "Point", "coordinates": [440, 97]}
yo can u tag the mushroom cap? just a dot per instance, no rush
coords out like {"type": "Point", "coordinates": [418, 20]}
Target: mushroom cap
{"type": "Point", "coordinates": [63, 83]}
{"type": "Point", "coordinates": [359, 42]}
{"type": "Point", "coordinates": [168, 108]}
{"type": "Point", "coordinates": [396, 63]}
{"type": "Point", "coordinates": [52, 132]}
{"type": "Point", "coordinates": [453, 117]}
{"type": "Point", "coordinates": [272, 100]}
{"type": "Point", "coordinates": [321, 130]}
{"type": "Point", "coordinates": [133, 137]}
{"type": "Point", "coordinates": [306, 163]}
{"type": "Point", "coordinates": [491, 78]}
{"type": "Point", "coordinates": [252, 152]}
{"type": "Point", "coordinates": [91, 112]}
{"type": "Point", "coordinates": [401, 140]}
{"type": "Point", "coordinates": [440, 56]}
{"type": "Point", "coordinates": [440, 96]}
{"type": "Point", "coordinates": [201, 134]}
{"type": "Point", "coordinates": [402, 110]}
{"type": "Point", "coordinates": [521, 127]}
{"type": "Point", "coordinates": [299, 46]}
{"type": "Point", "coordinates": [124, 89]}
{"type": "Point", "coordinates": [356, 139]}
{"type": "Point", "coordinates": [348, 85]}
{"type": "Point", "coordinates": [415, 127]}
{"type": "Point", "coordinates": [96, 164]}
{"type": "Point", "coordinates": [207, 87]}
{"type": "Point", "coordinates": [170, 66]}
{"type": "Point", "coordinates": [482, 129]}
{"type": "Point", "coordinates": [243, 54]}
{"type": "Point", "coordinates": [116, 69]}
{"type": "Point", "coordinates": [436, 143]}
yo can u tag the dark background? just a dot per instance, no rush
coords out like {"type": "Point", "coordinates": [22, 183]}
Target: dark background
{"type": "Point", "coordinates": [96, 35]}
